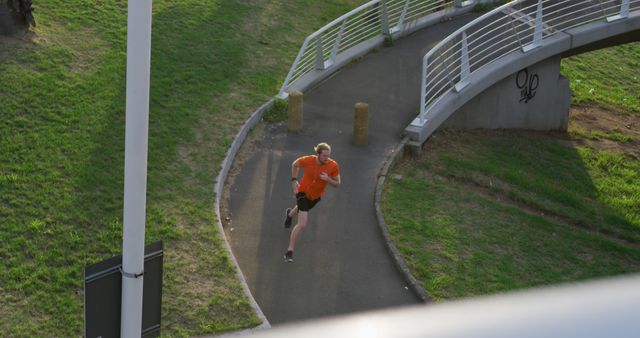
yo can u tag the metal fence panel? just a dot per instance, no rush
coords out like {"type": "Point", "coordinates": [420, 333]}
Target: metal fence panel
{"type": "Point", "coordinates": [374, 20]}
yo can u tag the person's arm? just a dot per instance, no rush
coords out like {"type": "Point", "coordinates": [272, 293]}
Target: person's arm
{"type": "Point", "coordinates": [334, 181]}
{"type": "Point", "coordinates": [295, 169]}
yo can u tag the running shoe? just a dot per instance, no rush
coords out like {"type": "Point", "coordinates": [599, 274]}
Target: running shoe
{"type": "Point", "coordinates": [287, 220]}
{"type": "Point", "coordinates": [288, 256]}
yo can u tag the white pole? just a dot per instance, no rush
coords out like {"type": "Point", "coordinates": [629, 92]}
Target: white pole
{"type": "Point", "coordinates": [135, 164]}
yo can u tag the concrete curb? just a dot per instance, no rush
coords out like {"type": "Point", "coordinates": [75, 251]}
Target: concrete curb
{"type": "Point", "coordinates": [238, 140]}
{"type": "Point", "coordinates": [389, 162]}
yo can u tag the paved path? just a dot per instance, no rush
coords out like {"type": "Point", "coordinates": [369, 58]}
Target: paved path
{"type": "Point", "coordinates": [341, 263]}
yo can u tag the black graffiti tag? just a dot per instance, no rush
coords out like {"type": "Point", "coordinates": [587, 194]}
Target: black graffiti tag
{"type": "Point", "coordinates": [527, 85]}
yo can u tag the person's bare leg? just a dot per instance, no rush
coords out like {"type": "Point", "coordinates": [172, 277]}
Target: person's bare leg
{"type": "Point", "coordinates": [294, 211]}
{"type": "Point", "coordinates": [295, 233]}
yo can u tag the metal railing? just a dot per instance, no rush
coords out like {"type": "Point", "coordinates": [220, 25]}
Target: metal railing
{"type": "Point", "coordinates": [376, 19]}
{"type": "Point", "coordinates": [518, 25]}
{"type": "Point", "coordinates": [592, 309]}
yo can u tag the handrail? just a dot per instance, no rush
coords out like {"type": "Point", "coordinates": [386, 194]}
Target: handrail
{"type": "Point", "coordinates": [449, 65]}
{"type": "Point", "coordinates": [370, 22]}
{"type": "Point", "coordinates": [587, 309]}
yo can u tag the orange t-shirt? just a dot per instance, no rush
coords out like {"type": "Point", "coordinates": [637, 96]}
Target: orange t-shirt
{"type": "Point", "coordinates": [312, 185]}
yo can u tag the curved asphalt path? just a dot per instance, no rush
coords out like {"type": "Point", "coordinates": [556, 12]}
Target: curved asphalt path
{"type": "Point", "coordinates": [341, 263]}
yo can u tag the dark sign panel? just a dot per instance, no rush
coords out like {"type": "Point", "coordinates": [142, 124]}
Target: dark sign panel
{"type": "Point", "coordinates": [102, 295]}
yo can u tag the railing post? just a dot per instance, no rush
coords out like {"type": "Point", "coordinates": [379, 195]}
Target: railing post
{"type": "Point", "coordinates": [624, 12]}
{"type": "Point", "coordinates": [385, 18]}
{"type": "Point", "coordinates": [537, 32]}
{"type": "Point", "coordinates": [465, 70]}
{"type": "Point", "coordinates": [285, 86]}
{"type": "Point", "coordinates": [319, 54]}
{"type": "Point", "coordinates": [400, 25]}
{"type": "Point", "coordinates": [336, 45]}
{"type": "Point", "coordinates": [423, 92]}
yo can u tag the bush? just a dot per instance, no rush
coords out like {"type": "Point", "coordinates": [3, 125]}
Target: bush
{"type": "Point", "coordinates": [278, 112]}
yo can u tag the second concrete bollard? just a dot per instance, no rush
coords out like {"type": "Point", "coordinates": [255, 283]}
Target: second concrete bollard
{"type": "Point", "coordinates": [294, 113]}
{"type": "Point", "coordinates": [361, 124]}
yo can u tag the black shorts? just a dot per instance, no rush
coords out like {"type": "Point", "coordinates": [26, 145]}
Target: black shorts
{"type": "Point", "coordinates": [305, 204]}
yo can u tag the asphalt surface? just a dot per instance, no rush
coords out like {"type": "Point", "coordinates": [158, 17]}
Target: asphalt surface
{"type": "Point", "coordinates": [341, 263]}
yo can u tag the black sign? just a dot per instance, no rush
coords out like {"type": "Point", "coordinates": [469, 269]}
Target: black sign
{"type": "Point", "coordinates": [103, 295]}
{"type": "Point", "coordinates": [527, 83]}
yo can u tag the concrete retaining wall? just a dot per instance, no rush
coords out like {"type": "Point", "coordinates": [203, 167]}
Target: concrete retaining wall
{"type": "Point", "coordinates": [580, 38]}
{"type": "Point", "coordinates": [535, 97]}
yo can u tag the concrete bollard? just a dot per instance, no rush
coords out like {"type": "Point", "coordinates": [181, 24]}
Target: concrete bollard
{"type": "Point", "coordinates": [361, 124]}
{"type": "Point", "coordinates": [294, 113]}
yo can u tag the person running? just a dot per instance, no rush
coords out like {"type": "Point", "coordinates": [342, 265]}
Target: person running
{"type": "Point", "coordinates": [319, 170]}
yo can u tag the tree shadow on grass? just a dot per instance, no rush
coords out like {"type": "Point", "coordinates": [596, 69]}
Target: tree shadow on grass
{"type": "Point", "coordinates": [508, 209]}
{"type": "Point", "coordinates": [546, 172]}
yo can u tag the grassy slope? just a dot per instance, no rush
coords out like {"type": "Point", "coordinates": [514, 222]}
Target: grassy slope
{"type": "Point", "coordinates": [62, 145]}
{"type": "Point", "coordinates": [492, 219]}
{"type": "Point", "coordinates": [508, 210]}
{"type": "Point", "coordinates": [608, 77]}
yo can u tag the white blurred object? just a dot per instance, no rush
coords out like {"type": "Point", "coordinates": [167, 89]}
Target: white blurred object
{"type": "Point", "coordinates": [605, 308]}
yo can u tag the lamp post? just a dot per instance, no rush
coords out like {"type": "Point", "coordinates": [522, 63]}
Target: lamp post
{"type": "Point", "coordinates": [135, 164]}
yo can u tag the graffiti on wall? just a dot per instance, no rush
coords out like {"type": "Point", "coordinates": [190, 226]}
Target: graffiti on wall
{"type": "Point", "coordinates": [527, 83]}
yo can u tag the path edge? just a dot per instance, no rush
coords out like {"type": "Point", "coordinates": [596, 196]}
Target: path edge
{"type": "Point", "coordinates": [225, 166]}
{"type": "Point", "coordinates": [390, 161]}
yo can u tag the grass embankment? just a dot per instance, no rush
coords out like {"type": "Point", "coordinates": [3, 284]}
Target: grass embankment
{"type": "Point", "coordinates": [488, 211]}
{"type": "Point", "coordinates": [62, 104]}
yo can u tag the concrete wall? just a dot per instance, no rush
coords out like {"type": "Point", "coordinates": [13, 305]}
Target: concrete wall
{"type": "Point", "coordinates": [536, 97]}
{"type": "Point", "coordinates": [596, 34]}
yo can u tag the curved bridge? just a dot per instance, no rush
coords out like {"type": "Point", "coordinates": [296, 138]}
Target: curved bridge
{"type": "Point", "coordinates": [508, 39]}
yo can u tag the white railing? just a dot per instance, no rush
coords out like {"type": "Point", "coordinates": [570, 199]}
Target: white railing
{"type": "Point", "coordinates": [593, 309]}
{"type": "Point", "coordinates": [520, 25]}
{"type": "Point", "coordinates": [374, 20]}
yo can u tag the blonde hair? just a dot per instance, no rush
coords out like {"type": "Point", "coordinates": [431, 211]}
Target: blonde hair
{"type": "Point", "coordinates": [321, 147]}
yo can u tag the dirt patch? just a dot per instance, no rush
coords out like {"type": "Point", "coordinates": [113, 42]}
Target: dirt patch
{"type": "Point", "coordinates": [597, 119]}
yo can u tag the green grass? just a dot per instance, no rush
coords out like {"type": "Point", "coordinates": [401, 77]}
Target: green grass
{"type": "Point", "coordinates": [471, 234]}
{"type": "Point", "coordinates": [608, 76]}
{"type": "Point", "coordinates": [485, 7]}
{"type": "Point", "coordinates": [590, 134]}
{"type": "Point", "coordinates": [548, 176]}
{"type": "Point", "coordinates": [62, 104]}
{"type": "Point", "coordinates": [278, 113]}
{"type": "Point", "coordinates": [505, 210]}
